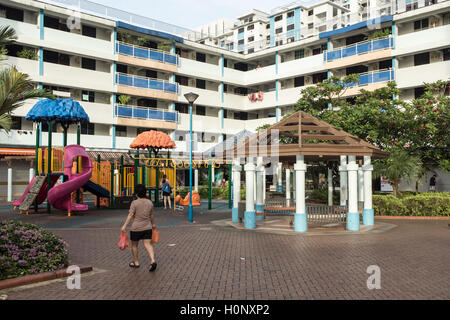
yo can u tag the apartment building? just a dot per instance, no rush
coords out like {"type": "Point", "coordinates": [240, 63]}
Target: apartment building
{"type": "Point", "coordinates": [246, 74]}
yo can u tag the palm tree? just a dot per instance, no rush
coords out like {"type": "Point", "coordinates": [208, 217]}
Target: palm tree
{"type": "Point", "coordinates": [399, 165]}
{"type": "Point", "coordinates": [7, 36]}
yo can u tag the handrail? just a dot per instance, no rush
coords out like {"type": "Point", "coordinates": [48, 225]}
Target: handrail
{"type": "Point", "coordinates": [148, 109]}
{"type": "Point", "coordinates": [356, 45]}
{"type": "Point", "coordinates": [133, 46]}
{"type": "Point", "coordinates": [164, 82]}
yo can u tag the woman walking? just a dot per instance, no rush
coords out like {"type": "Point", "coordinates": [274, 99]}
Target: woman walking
{"type": "Point", "coordinates": [141, 212]}
{"type": "Point", "coordinates": [166, 190]}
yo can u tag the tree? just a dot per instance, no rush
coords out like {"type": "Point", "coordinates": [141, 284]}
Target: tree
{"type": "Point", "coordinates": [399, 165]}
{"type": "Point", "coordinates": [7, 36]}
{"type": "Point", "coordinates": [124, 99]}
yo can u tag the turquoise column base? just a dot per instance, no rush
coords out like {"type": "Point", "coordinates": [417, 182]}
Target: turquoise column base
{"type": "Point", "coordinates": [279, 188]}
{"type": "Point", "coordinates": [235, 215]}
{"type": "Point", "coordinates": [250, 219]}
{"type": "Point", "coordinates": [368, 217]}
{"type": "Point", "coordinates": [353, 221]}
{"type": "Point", "coordinates": [300, 223]}
{"type": "Point", "coordinates": [259, 208]}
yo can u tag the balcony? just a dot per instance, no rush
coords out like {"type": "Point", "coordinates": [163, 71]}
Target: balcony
{"type": "Point", "coordinates": [145, 117]}
{"type": "Point", "coordinates": [146, 87]}
{"type": "Point", "coordinates": [358, 53]}
{"type": "Point", "coordinates": [371, 81]}
{"type": "Point", "coordinates": [145, 57]}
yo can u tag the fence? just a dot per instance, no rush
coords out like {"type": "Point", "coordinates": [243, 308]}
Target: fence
{"type": "Point", "coordinates": [358, 48]}
{"type": "Point", "coordinates": [146, 53]}
{"type": "Point", "coordinates": [136, 112]}
{"type": "Point", "coordinates": [146, 83]}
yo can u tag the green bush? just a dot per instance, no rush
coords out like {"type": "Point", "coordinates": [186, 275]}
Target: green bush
{"type": "Point", "coordinates": [27, 249]}
{"type": "Point", "coordinates": [322, 195]}
{"type": "Point", "coordinates": [424, 204]}
{"type": "Point", "coordinates": [27, 54]}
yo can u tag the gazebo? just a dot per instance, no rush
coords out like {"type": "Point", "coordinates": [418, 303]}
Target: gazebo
{"type": "Point", "coordinates": [296, 140]}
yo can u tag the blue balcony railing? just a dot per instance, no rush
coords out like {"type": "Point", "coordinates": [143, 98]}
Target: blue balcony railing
{"type": "Point", "coordinates": [373, 77]}
{"type": "Point", "coordinates": [135, 112]}
{"type": "Point", "coordinates": [146, 53]}
{"type": "Point", "coordinates": [146, 83]}
{"type": "Point", "coordinates": [358, 48]}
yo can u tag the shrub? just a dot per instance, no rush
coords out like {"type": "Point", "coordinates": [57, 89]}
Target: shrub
{"type": "Point", "coordinates": [27, 54]}
{"type": "Point", "coordinates": [322, 195]}
{"type": "Point", "coordinates": [27, 249]}
{"type": "Point", "coordinates": [424, 204]}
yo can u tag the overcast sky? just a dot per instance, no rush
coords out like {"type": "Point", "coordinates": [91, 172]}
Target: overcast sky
{"type": "Point", "coordinates": [192, 13]}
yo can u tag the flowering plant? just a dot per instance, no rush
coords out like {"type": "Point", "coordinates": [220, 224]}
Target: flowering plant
{"type": "Point", "coordinates": [28, 249]}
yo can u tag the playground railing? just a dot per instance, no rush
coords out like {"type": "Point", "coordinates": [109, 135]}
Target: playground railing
{"type": "Point", "coordinates": [57, 161]}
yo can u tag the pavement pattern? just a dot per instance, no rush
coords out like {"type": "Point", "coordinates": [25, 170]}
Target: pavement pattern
{"type": "Point", "coordinates": [209, 261]}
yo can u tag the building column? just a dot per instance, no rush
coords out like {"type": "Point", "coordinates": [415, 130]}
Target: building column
{"type": "Point", "coordinates": [113, 136]}
{"type": "Point", "coordinates": [352, 212]}
{"type": "Point", "coordinates": [368, 212]}
{"type": "Point", "coordinates": [10, 182]}
{"type": "Point", "coordinates": [360, 186]}
{"type": "Point", "coordinates": [212, 174]}
{"type": "Point", "coordinates": [264, 185]}
{"type": "Point", "coordinates": [236, 190]}
{"type": "Point", "coordinates": [343, 181]}
{"type": "Point", "coordinates": [250, 214]}
{"type": "Point", "coordinates": [280, 177]}
{"type": "Point", "coordinates": [300, 220]}
{"type": "Point", "coordinates": [294, 185]}
{"type": "Point", "coordinates": [196, 180]}
{"type": "Point", "coordinates": [288, 187]}
{"type": "Point", "coordinates": [259, 187]}
{"type": "Point", "coordinates": [330, 187]}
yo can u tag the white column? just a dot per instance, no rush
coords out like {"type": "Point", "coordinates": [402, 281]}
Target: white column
{"type": "Point", "coordinates": [259, 187]}
{"type": "Point", "coordinates": [196, 180]}
{"type": "Point", "coordinates": [264, 185]}
{"type": "Point", "coordinates": [288, 187]}
{"type": "Point", "coordinates": [294, 185]}
{"type": "Point", "coordinates": [280, 177]}
{"type": "Point", "coordinates": [212, 175]}
{"type": "Point", "coordinates": [352, 213]}
{"type": "Point", "coordinates": [360, 184]}
{"type": "Point", "coordinates": [31, 174]}
{"type": "Point", "coordinates": [330, 187]}
{"type": "Point", "coordinates": [368, 212]}
{"type": "Point", "coordinates": [250, 214]}
{"type": "Point", "coordinates": [300, 224]}
{"type": "Point", "coordinates": [343, 181]}
{"type": "Point", "coordinates": [10, 182]}
{"type": "Point", "coordinates": [236, 190]}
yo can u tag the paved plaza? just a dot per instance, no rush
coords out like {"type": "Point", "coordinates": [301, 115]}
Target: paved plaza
{"type": "Point", "coordinates": [206, 260]}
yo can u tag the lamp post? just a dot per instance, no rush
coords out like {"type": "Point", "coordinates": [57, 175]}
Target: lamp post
{"type": "Point", "coordinates": [190, 97]}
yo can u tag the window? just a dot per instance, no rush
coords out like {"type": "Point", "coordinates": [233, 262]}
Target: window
{"type": "Point", "coordinates": [279, 18]}
{"type": "Point", "coordinates": [241, 66]}
{"type": "Point", "coordinates": [250, 39]}
{"type": "Point", "coordinates": [225, 63]}
{"type": "Point", "coordinates": [87, 128]}
{"type": "Point", "coordinates": [201, 84]}
{"type": "Point", "coordinates": [225, 113]}
{"type": "Point", "coordinates": [267, 26]}
{"type": "Point", "coordinates": [88, 96]}
{"type": "Point", "coordinates": [290, 27]}
{"type": "Point", "coordinates": [310, 26]}
{"type": "Point", "coordinates": [121, 131]}
{"type": "Point", "coordinates": [418, 92]}
{"type": "Point", "coordinates": [181, 108]}
{"type": "Point", "coordinates": [335, 12]}
{"type": "Point", "coordinates": [446, 54]}
{"type": "Point", "coordinates": [299, 54]}
{"type": "Point", "coordinates": [151, 74]}
{"type": "Point", "coordinates": [251, 27]}
{"type": "Point", "coordinates": [421, 24]}
{"type": "Point", "coordinates": [200, 110]}
{"type": "Point", "coordinates": [421, 58]}
{"type": "Point", "coordinates": [244, 116]}
{"type": "Point", "coordinates": [299, 81]}
{"type": "Point", "coordinates": [122, 68]}
{"type": "Point", "coordinates": [319, 77]}
{"type": "Point", "coordinates": [385, 64]}
{"type": "Point", "coordinates": [251, 50]}
{"type": "Point", "coordinates": [279, 42]}
{"type": "Point", "coordinates": [56, 57]}
{"type": "Point", "coordinates": [310, 12]}
{"type": "Point", "coordinates": [291, 39]}
{"type": "Point", "coordinates": [183, 81]}
{"type": "Point", "coordinates": [241, 30]}
{"type": "Point", "coordinates": [225, 87]}
{"type": "Point", "coordinates": [12, 13]}
{"type": "Point", "coordinates": [13, 49]}
{"type": "Point", "coordinates": [279, 30]}
{"type": "Point", "coordinates": [89, 31]}
{"type": "Point", "coordinates": [54, 23]}
{"type": "Point", "coordinates": [87, 63]}
{"type": "Point", "coordinates": [16, 123]}
{"type": "Point", "coordinates": [241, 42]}
{"type": "Point", "coordinates": [412, 6]}
{"type": "Point", "coordinates": [201, 57]}
{"type": "Point", "coordinates": [290, 14]}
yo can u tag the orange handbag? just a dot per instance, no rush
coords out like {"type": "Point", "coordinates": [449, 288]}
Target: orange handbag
{"type": "Point", "coordinates": [123, 242]}
{"type": "Point", "coordinates": [155, 236]}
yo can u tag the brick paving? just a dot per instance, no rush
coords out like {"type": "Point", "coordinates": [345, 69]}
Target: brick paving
{"type": "Point", "coordinates": [206, 261]}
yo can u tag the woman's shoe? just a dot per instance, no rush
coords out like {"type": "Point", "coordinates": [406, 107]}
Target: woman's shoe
{"type": "Point", "coordinates": [153, 267]}
{"type": "Point", "coordinates": [132, 265]}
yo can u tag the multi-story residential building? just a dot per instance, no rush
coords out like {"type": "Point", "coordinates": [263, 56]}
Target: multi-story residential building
{"type": "Point", "coordinates": [246, 74]}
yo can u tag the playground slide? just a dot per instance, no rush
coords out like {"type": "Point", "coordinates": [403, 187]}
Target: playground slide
{"type": "Point", "coordinates": [42, 195]}
{"type": "Point", "coordinates": [96, 190]}
{"type": "Point", "coordinates": [59, 196]}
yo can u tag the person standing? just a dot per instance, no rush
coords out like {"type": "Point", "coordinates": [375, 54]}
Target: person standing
{"type": "Point", "coordinates": [141, 212]}
{"type": "Point", "coordinates": [166, 190]}
{"type": "Point", "coordinates": [433, 183]}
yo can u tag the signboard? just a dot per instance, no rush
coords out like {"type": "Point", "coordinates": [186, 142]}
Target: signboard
{"type": "Point", "coordinates": [385, 185]}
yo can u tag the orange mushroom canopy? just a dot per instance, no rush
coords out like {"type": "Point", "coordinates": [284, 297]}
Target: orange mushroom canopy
{"type": "Point", "coordinates": [152, 140]}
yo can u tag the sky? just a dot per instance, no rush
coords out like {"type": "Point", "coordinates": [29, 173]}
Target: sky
{"type": "Point", "coordinates": [192, 13]}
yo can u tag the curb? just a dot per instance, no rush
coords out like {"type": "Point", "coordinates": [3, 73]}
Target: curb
{"type": "Point", "coordinates": [411, 218]}
{"type": "Point", "coordinates": [40, 277]}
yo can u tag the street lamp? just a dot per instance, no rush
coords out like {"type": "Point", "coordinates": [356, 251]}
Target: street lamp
{"type": "Point", "coordinates": [190, 97]}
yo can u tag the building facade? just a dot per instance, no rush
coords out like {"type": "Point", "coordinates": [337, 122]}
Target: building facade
{"type": "Point", "coordinates": [130, 72]}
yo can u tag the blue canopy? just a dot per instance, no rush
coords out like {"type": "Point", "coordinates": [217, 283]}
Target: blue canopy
{"type": "Point", "coordinates": [65, 111]}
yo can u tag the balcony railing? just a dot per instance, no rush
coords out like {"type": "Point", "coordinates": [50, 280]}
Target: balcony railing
{"type": "Point", "coordinates": [373, 77]}
{"type": "Point", "coordinates": [135, 112]}
{"type": "Point", "coordinates": [146, 53]}
{"type": "Point", "coordinates": [358, 48]}
{"type": "Point", "coordinates": [146, 83]}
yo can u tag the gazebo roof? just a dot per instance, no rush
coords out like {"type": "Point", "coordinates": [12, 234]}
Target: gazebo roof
{"type": "Point", "coordinates": [65, 111]}
{"type": "Point", "coordinates": [303, 134]}
{"type": "Point", "coordinates": [152, 140]}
